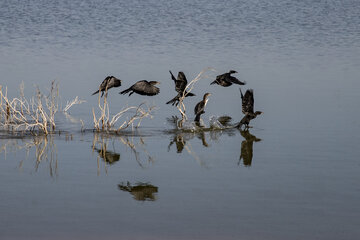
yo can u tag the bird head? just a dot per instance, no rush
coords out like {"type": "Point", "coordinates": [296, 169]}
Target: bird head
{"type": "Point", "coordinates": [154, 82]}
{"type": "Point", "coordinates": [232, 71]}
{"type": "Point", "coordinates": [181, 75]}
{"type": "Point", "coordinates": [206, 95]}
{"type": "Point", "coordinates": [114, 78]}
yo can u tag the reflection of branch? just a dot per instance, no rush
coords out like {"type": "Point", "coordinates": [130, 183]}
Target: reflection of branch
{"type": "Point", "coordinates": [44, 147]}
{"type": "Point", "coordinates": [193, 154]}
{"type": "Point", "coordinates": [105, 154]}
{"type": "Point", "coordinates": [131, 145]}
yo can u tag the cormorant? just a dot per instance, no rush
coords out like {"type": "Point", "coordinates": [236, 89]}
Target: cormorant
{"type": "Point", "coordinates": [143, 87]}
{"type": "Point", "coordinates": [200, 107]}
{"type": "Point", "coordinates": [180, 85]}
{"type": "Point", "coordinates": [109, 82]}
{"type": "Point", "coordinates": [247, 103]}
{"type": "Point", "coordinates": [227, 80]}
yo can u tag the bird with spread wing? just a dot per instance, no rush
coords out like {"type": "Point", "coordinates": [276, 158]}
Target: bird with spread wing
{"type": "Point", "coordinates": [227, 80]}
{"type": "Point", "coordinates": [180, 85]}
{"type": "Point", "coordinates": [247, 104]}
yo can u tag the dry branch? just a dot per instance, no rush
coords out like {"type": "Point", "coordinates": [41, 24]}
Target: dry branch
{"type": "Point", "coordinates": [105, 122]}
{"type": "Point", "coordinates": [181, 106]}
{"type": "Point", "coordinates": [21, 114]}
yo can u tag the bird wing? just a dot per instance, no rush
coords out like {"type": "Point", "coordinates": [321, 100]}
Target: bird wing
{"type": "Point", "coordinates": [145, 88]}
{"type": "Point", "coordinates": [182, 77]}
{"type": "Point", "coordinates": [180, 83]}
{"type": "Point", "coordinates": [104, 83]}
{"type": "Point", "coordinates": [172, 76]}
{"type": "Point", "coordinates": [235, 80]}
{"type": "Point", "coordinates": [199, 107]}
{"type": "Point", "coordinates": [248, 102]}
{"type": "Point", "coordinates": [220, 77]}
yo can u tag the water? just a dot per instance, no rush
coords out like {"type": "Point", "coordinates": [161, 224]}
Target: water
{"type": "Point", "coordinates": [294, 175]}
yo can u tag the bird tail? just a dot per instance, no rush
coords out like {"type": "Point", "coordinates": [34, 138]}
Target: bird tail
{"type": "Point", "coordinates": [173, 101]}
{"type": "Point", "coordinates": [95, 92]}
{"type": "Point", "coordinates": [125, 91]}
{"type": "Point", "coordinates": [197, 117]}
{"type": "Point", "coordinates": [239, 82]}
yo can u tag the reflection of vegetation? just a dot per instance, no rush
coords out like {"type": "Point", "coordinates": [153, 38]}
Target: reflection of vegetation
{"type": "Point", "coordinates": [43, 146]}
{"type": "Point", "coordinates": [247, 147]}
{"type": "Point", "coordinates": [180, 139]}
{"type": "Point", "coordinates": [101, 141]}
{"type": "Point", "coordinates": [140, 191]}
{"type": "Point", "coordinates": [225, 120]}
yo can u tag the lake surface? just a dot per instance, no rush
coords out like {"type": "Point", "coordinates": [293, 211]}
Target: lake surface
{"type": "Point", "coordinates": [294, 175]}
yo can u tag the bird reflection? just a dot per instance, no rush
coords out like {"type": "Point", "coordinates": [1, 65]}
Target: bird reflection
{"type": "Point", "coordinates": [108, 156]}
{"type": "Point", "coordinates": [247, 147]}
{"type": "Point", "coordinates": [140, 191]}
{"type": "Point", "coordinates": [225, 120]}
{"type": "Point", "coordinates": [101, 142]}
{"type": "Point", "coordinates": [180, 139]}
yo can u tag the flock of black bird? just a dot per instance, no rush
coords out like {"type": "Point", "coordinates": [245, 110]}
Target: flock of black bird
{"type": "Point", "coordinates": [148, 88]}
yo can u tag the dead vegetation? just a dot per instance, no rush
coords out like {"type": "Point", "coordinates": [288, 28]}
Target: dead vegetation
{"type": "Point", "coordinates": [181, 106]}
{"type": "Point", "coordinates": [133, 116]}
{"type": "Point", "coordinates": [34, 114]}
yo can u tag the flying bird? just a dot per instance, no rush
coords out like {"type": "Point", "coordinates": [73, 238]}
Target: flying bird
{"type": "Point", "coordinates": [180, 85]}
{"type": "Point", "coordinates": [143, 87]}
{"type": "Point", "coordinates": [227, 80]}
{"type": "Point", "coordinates": [109, 82]}
{"type": "Point", "coordinates": [247, 103]}
{"type": "Point", "coordinates": [200, 107]}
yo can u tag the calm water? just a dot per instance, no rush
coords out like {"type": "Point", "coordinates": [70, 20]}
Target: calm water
{"type": "Point", "coordinates": [294, 175]}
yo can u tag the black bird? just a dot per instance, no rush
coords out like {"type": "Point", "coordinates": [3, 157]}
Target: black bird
{"type": "Point", "coordinates": [143, 87]}
{"type": "Point", "coordinates": [200, 107]}
{"type": "Point", "coordinates": [109, 82]}
{"type": "Point", "coordinates": [227, 80]}
{"type": "Point", "coordinates": [180, 85]}
{"type": "Point", "coordinates": [247, 103]}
